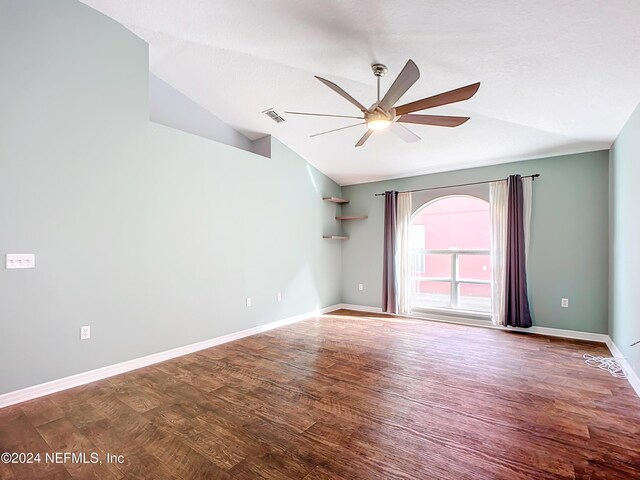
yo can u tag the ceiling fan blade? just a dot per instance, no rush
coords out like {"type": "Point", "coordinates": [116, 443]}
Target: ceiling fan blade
{"type": "Point", "coordinates": [404, 133]}
{"type": "Point", "coordinates": [408, 76]}
{"type": "Point", "coordinates": [452, 96]}
{"type": "Point", "coordinates": [336, 129]}
{"type": "Point", "coordinates": [437, 120]}
{"type": "Point", "coordinates": [342, 93]}
{"type": "Point", "coordinates": [323, 115]}
{"type": "Point", "coordinates": [364, 138]}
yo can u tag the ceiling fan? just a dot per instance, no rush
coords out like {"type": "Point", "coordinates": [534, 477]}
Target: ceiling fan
{"type": "Point", "coordinates": [383, 114]}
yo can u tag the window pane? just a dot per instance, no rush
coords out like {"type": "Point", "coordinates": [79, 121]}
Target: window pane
{"type": "Point", "coordinates": [474, 267]}
{"type": "Point", "coordinates": [474, 297]}
{"type": "Point", "coordinates": [427, 294]}
{"type": "Point", "coordinates": [454, 222]}
{"type": "Point", "coordinates": [417, 234]}
{"type": "Point", "coordinates": [438, 266]}
{"type": "Point", "coordinates": [431, 265]}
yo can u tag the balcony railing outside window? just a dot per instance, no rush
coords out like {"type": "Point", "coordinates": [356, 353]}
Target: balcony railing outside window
{"type": "Point", "coordinates": [451, 279]}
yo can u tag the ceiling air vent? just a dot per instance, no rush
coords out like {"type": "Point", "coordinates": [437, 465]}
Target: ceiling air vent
{"type": "Point", "coordinates": [273, 115]}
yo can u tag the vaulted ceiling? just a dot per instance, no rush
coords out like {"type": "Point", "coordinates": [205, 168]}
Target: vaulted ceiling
{"type": "Point", "coordinates": [558, 76]}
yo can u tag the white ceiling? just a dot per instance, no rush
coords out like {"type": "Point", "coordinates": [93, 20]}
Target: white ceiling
{"type": "Point", "coordinates": [558, 76]}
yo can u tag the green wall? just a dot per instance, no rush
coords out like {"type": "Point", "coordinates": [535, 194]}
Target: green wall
{"type": "Point", "coordinates": [624, 305]}
{"type": "Point", "coordinates": [152, 236]}
{"type": "Point", "coordinates": [569, 244]}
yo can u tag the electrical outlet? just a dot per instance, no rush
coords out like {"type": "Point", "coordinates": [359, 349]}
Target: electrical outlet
{"type": "Point", "coordinates": [248, 301]}
{"type": "Point", "coordinates": [361, 286]}
{"type": "Point", "coordinates": [279, 297]}
{"type": "Point", "coordinates": [564, 303]}
{"type": "Point", "coordinates": [85, 332]}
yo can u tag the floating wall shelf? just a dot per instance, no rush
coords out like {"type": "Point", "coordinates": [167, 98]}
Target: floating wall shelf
{"type": "Point", "coordinates": [335, 200]}
{"type": "Point", "coordinates": [341, 217]}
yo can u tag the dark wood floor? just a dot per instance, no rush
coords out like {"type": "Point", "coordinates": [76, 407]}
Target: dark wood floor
{"type": "Point", "coordinates": [346, 396]}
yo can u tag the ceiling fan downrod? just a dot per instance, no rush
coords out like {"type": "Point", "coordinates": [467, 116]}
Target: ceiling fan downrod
{"type": "Point", "coordinates": [378, 70]}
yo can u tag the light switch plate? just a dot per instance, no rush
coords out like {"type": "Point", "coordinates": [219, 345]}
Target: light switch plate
{"type": "Point", "coordinates": [20, 260]}
{"type": "Point", "coordinates": [564, 303]}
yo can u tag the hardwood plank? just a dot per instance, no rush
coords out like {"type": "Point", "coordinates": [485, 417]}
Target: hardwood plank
{"type": "Point", "coordinates": [17, 435]}
{"type": "Point", "coordinates": [139, 463]}
{"type": "Point", "coordinates": [62, 436]}
{"type": "Point", "coordinates": [41, 410]}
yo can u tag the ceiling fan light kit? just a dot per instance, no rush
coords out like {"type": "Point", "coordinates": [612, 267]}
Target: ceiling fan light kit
{"type": "Point", "coordinates": [383, 114]}
{"type": "Point", "coordinates": [377, 121]}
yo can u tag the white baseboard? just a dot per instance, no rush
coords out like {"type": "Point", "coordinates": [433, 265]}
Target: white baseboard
{"type": "Point", "coordinates": [360, 308]}
{"type": "Point", "coordinates": [553, 332]}
{"type": "Point", "coordinates": [632, 376]}
{"type": "Point", "coordinates": [83, 378]}
{"type": "Point", "coordinates": [558, 332]}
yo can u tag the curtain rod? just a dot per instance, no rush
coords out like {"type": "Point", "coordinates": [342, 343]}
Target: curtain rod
{"type": "Point", "coordinates": [534, 176]}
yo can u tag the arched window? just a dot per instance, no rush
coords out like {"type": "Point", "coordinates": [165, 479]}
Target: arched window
{"type": "Point", "coordinates": [450, 248]}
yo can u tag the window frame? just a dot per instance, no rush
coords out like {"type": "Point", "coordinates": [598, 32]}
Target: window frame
{"type": "Point", "coordinates": [454, 279]}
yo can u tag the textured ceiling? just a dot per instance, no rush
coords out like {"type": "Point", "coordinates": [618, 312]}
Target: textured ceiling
{"type": "Point", "coordinates": [557, 76]}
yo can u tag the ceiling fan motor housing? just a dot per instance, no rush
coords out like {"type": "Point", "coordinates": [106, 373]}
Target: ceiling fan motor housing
{"type": "Point", "coordinates": [377, 115]}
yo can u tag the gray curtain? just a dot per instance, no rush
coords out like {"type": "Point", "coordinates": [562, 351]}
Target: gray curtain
{"type": "Point", "coordinates": [389, 274]}
{"type": "Point", "coordinates": [516, 302]}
